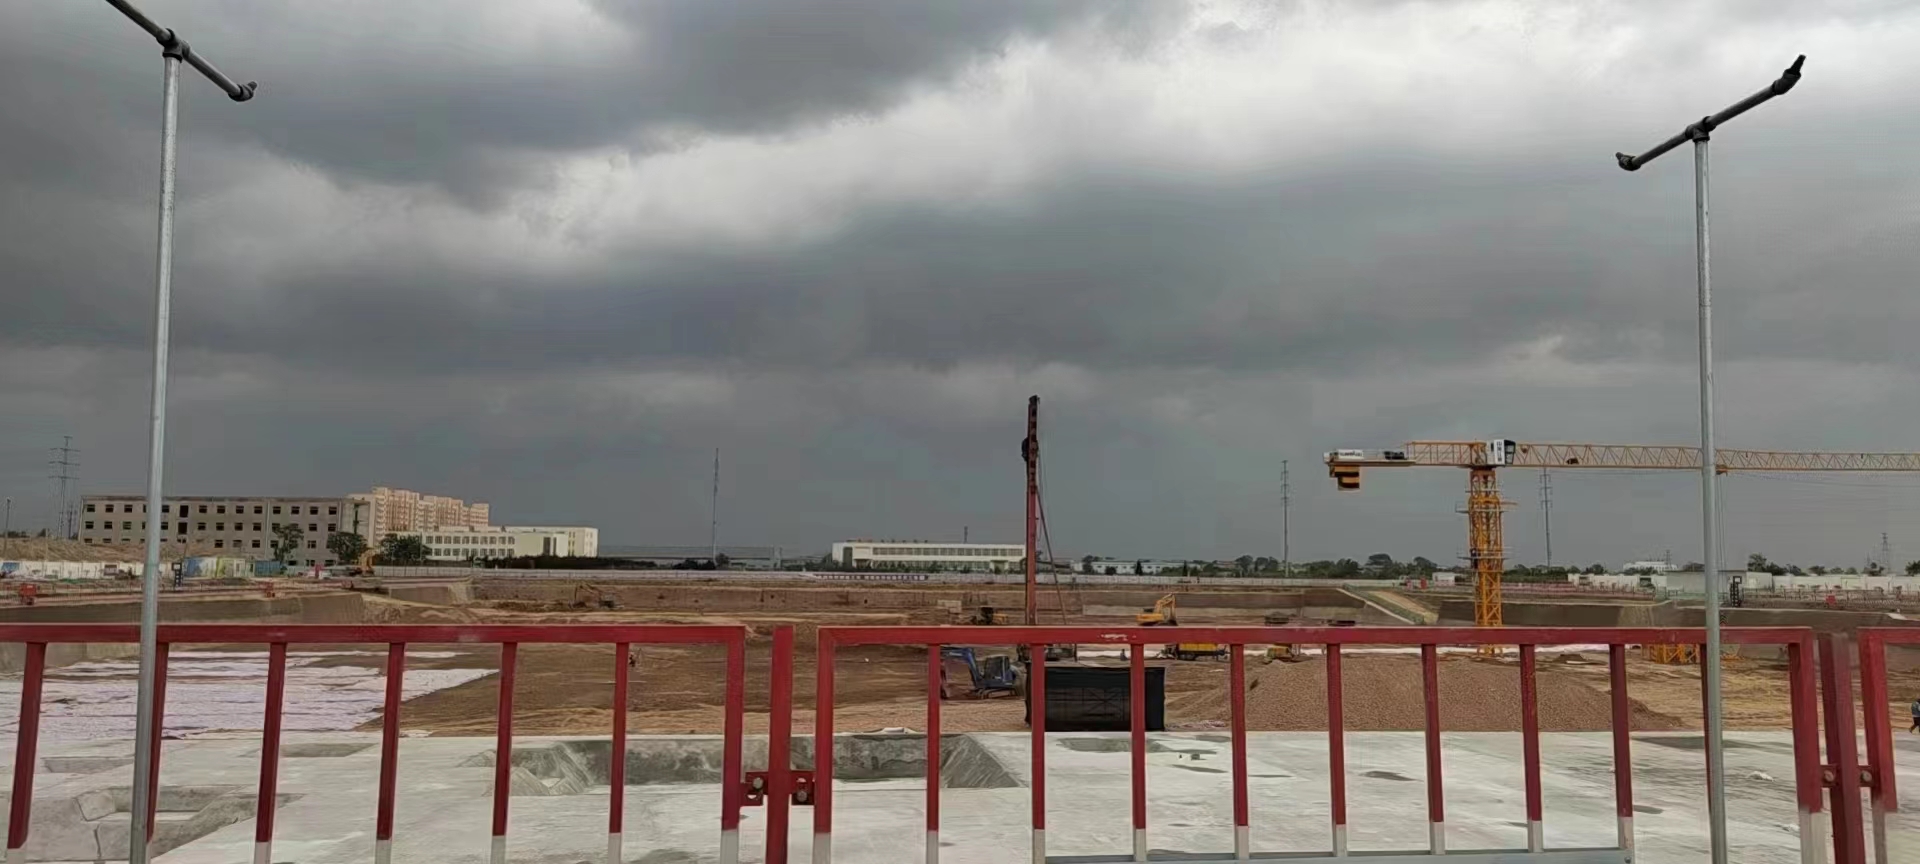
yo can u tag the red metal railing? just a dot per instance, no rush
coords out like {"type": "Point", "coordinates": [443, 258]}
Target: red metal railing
{"type": "Point", "coordinates": [1798, 642]}
{"type": "Point", "coordinates": [396, 638]}
{"type": "Point", "coordinates": [1879, 776]}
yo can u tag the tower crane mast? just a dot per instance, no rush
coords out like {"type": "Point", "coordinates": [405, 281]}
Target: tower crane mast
{"type": "Point", "coordinates": [1486, 551]}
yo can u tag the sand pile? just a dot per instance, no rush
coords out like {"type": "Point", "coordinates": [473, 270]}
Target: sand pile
{"type": "Point", "coordinates": [54, 549]}
{"type": "Point", "coordinates": [1384, 693]}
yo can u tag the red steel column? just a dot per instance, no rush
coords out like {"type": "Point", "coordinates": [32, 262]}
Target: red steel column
{"type": "Point", "coordinates": [732, 759]}
{"type": "Point", "coordinates": [1436, 794]}
{"type": "Point", "coordinates": [1836, 685]}
{"type": "Point", "coordinates": [779, 745]}
{"type": "Point", "coordinates": [1879, 733]}
{"type": "Point", "coordinates": [1337, 751]}
{"type": "Point", "coordinates": [1037, 723]}
{"type": "Point", "coordinates": [617, 756]}
{"type": "Point", "coordinates": [1237, 722]}
{"type": "Point", "coordinates": [1806, 750]}
{"type": "Point", "coordinates": [823, 750]}
{"type": "Point", "coordinates": [1137, 746]}
{"type": "Point", "coordinates": [503, 751]}
{"type": "Point", "coordinates": [389, 754]}
{"type": "Point", "coordinates": [1622, 744]}
{"type": "Point", "coordinates": [934, 695]}
{"type": "Point", "coordinates": [1530, 747]}
{"type": "Point", "coordinates": [268, 801]}
{"type": "Point", "coordinates": [25, 747]}
{"type": "Point", "coordinates": [161, 652]}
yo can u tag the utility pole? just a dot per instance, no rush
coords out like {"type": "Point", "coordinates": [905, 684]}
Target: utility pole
{"type": "Point", "coordinates": [713, 518]}
{"type": "Point", "coordinates": [63, 467]}
{"type": "Point", "coordinates": [1030, 454]}
{"type": "Point", "coordinates": [1286, 502]}
{"type": "Point", "coordinates": [1546, 511]}
{"type": "Point", "coordinates": [1700, 132]}
{"type": "Point", "coordinates": [1886, 554]}
{"type": "Point", "coordinates": [966, 534]}
{"type": "Point", "coordinates": [6, 533]}
{"type": "Point", "coordinates": [173, 52]}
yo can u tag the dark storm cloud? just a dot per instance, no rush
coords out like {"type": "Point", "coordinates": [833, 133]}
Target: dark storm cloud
{"type": "Point", "coordinates": [389, 273]}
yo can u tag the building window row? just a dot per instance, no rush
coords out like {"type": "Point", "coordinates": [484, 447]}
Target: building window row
{"type": "Point", "coordinates": [221, 509]}
{"type": "Point", "coordinates": [947, 552]}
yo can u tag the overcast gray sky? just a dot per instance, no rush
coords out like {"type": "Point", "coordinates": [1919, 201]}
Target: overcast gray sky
{"type": "Point", "coordinates": [550, 254]}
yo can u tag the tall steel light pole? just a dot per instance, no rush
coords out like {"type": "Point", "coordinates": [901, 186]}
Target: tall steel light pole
{"type": "Point", "coordinates": [1699, 133]}
{"type": "Point", "coordinates": [173, 52]}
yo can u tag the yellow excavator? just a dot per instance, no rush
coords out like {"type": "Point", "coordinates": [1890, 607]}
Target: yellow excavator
{"type": "Point", "coordinates": [1162, 614]}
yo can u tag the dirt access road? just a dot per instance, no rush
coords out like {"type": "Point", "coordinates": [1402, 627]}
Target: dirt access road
{"type": "Point", "coordinates": [566, 689]}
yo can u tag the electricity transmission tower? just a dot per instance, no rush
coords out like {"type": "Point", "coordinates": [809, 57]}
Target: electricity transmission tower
{"type": "Point", "coordinates": [62, 467]}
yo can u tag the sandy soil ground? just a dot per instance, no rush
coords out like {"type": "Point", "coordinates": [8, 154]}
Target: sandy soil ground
{"type": "Point", "coordinates": [566, 689]}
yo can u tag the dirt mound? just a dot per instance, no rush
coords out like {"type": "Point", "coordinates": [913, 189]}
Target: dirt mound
{"type": "Point", "coordinates": [386, 610]}
{"type": "Point", "coordinates": [1385, 694]}
{"type": "Point", "coordinates": [55, 549]}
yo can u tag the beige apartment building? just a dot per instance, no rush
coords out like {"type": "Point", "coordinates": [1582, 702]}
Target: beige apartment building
{"type": "Point", "coordinates": [237, 526]}
{"type": "Point", "coordinates": [400, 511]}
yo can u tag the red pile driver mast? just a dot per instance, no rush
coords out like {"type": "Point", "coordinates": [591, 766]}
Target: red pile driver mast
{"type": "Point", "coordinates": [1030, 453]}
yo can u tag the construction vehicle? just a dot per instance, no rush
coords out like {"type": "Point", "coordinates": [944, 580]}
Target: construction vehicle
{"type": "Point", "coordinates": [1160, 614]}
{"type": "Point", "coordinates": [365, 566]}
{"type": "Point", "coordinates": [1285, 652]}
{"type": "Point", "coordinates": [964, 675]}
{"type": "Point", "coordinates": [586, 596]}
{"type": "Point", "coordinates": [1486, 551]}
{"type": "Point", "coordinates": [1195, 651]}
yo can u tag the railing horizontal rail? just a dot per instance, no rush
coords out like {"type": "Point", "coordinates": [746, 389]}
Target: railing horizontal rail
{"type": "Point", "coordinates": [1234, 640]}
{"type": "Point", "coordinates": [311, 634]}
{"type": "Point", "coordinates": [1406, 636]}
{"type": "Point", "coordinates": [277, 638]}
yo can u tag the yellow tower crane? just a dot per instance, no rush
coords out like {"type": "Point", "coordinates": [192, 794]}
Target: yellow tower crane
{"type": "Point", "coordinates": [1485, 550]}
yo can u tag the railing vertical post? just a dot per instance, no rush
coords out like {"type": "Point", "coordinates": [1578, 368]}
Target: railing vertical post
{"type": "Point", "coordinates": [1436, 790]}
{"type": "Point", "coordinates": [1237, 724]}
{"type": "Point", "coordinates": [389, 754]}
{"type": "Point", "coordinates": [1137, 743]}
{"type": "Point", "coordinates": [270, 754]}
{"type": "Point", "coordinates": [25, 745]}
{"type": "Point", "coordinates": [1337, 750]}
{"type": "Point", "coordinates": [503, 752]}
{"type": "Point", "coordinates": [1622, 744]}
{"type": "Point", "coordinates": [1530, 747]}
{"type": "Point", "coordinates": [1037, 724]}
{"type": "Point", "coordinates": [934, 694]}
{"type": "Point", "coordinates": [732, 757]}
{"type": "Point", "coordinates": [823, 748]}
{"type": "Point", "coordinates": [1806, 750]}
{"type": "Point", "coordinates": [617, 755]}
{"type": "Point", "coordinates": [779, 744]}
{"type": "Point", "coordinates": [161, 652]}
{"type": "Point", "coordinates": [1881, 796]}
{"type": "Point", "coordinates": [1843, 755]}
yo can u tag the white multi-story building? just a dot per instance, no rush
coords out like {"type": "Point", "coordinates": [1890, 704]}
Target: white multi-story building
{"type": "Point", "coordinates": [915, 554]}
{"type": "Point", "coordinates": [501, 541]}
{"type": "Point", "coordinates": [232, 525]}
{"type": "Point", "coordinates": [582, 542]}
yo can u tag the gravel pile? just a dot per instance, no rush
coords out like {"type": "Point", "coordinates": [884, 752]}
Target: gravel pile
{"type": "Point", "coordinates": [1384, 693]}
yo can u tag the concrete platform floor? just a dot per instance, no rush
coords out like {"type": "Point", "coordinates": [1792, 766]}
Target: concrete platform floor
{"type": "Point", "coordinates": [328, 781]}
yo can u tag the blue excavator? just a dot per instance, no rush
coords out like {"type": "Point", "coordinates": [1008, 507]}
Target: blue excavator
{"type": "Point", "coordinates": [967, 675]}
